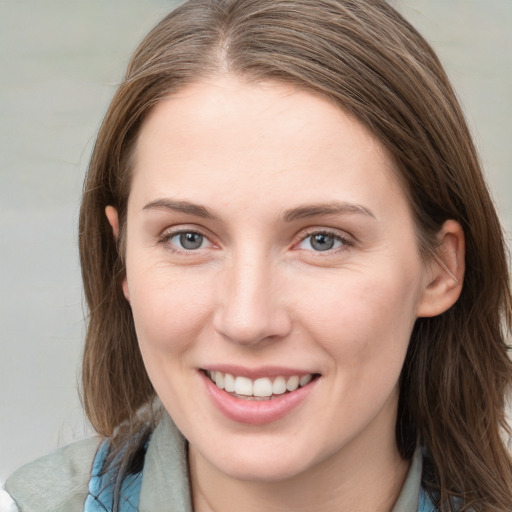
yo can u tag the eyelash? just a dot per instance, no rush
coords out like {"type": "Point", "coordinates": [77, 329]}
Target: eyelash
{"type": "Point", "coordinates": [167, 236]}
{"type": "Point", "coordinates": [345, 242]}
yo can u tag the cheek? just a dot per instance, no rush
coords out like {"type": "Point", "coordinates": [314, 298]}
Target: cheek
{"type": "Point", "coordinates": [364, 320]}
{"type": "Point", "coordinates": [169, 309]}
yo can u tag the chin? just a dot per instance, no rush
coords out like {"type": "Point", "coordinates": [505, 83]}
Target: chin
{"type": "Point", "coordinates": [261, 471]}
{"type": "Point", "coordinates": [262, 464]}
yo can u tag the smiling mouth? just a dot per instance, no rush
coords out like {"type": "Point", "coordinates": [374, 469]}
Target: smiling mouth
{"type": "Point", "coordinates": [263, 388]}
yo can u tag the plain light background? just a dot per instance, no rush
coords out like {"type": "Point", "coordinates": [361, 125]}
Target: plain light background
{"type": "Point", "coordinates": [59, 65]}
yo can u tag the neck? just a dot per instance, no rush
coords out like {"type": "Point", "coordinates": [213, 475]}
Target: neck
{"type": "Point", "coordinates": [365, 476]}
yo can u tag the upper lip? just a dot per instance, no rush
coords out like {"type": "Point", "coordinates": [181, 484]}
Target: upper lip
{"type": "Point", "coordinates": [258, 372]}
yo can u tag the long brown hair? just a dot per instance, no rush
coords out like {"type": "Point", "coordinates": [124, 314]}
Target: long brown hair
{"type": "Point", "coordinates": [368, 60]}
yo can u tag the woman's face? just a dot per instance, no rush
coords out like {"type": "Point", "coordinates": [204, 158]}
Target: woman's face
{"type": "Point", "coordinates": [269, 245]}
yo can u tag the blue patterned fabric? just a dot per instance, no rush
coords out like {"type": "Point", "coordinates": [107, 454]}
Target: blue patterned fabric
{"type": "Point", "coordinates": [425, 504]}
{"type": "Point", "coordinates": [101, 487]}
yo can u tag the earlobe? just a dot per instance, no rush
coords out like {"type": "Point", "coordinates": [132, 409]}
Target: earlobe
{"type": "Point", "coordinates": [445, 274]}
{"type": "Point", "coordinates": [113, 220]}
{"type": "Point", "coordinates": [126, 291]}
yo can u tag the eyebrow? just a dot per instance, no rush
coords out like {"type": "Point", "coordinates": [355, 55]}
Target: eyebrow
{"type": "Point", "coordinates": [319, 209]}
{"type": "Point", "coordinates": [300, 212]}
{"type": "Point", "coordinates": [180, 206]}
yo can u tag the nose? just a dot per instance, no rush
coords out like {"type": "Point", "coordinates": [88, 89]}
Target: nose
{"type": "Point", "coordinates": [251, 307]}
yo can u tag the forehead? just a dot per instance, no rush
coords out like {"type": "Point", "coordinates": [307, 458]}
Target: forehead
{"type": "Point", "coordinates": [225, 134]}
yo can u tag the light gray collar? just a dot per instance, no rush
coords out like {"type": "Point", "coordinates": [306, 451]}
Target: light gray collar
{"type": "Point", "coordinates": [165, 483]}
{"type": "Point", "coordinates": [410, 494]}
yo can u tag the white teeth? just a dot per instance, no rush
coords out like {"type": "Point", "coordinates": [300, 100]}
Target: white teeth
{"type": "Point", "coordinates": [229, 383]}
{"type": "Point", "coordinates": [278, 386]}
{"type": "Point", "coordinates": [262, 387]}
{"type": "Point", "coordinates": [219, 379]}
{"type": "Point", "coordinates": [243, 386]}
{"type": "Point", "coordinates": [292, 383]}
{"type": "Point", "coordinates": [305, 379]}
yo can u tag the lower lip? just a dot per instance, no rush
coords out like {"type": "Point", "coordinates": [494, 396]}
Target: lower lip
{"type": "Point", "coordinates": [256, 412]}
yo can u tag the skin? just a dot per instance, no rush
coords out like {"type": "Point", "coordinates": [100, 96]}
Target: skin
{"type": "Point", "coordinates": [257, 292]}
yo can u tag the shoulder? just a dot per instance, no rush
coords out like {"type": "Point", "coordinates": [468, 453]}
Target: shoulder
{"type": "Point", "coordinates": [57, 482]}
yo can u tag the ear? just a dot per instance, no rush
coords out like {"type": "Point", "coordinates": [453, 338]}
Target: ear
{"type": "Point", "coordinates": [445, 273]}
{"type": "Point", "coordinates": [113, 220]}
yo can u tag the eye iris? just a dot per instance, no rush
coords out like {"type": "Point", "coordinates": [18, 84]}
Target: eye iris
{"type": "Point", "coordinates": [322, 242]}
{"type": "Point", "coordinates": [191, 240]}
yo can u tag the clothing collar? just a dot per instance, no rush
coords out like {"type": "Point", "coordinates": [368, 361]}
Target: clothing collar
{"type": "Point", "coordinates": [165, 481]}
{"type": "Point", "coordinates": [410, 494]}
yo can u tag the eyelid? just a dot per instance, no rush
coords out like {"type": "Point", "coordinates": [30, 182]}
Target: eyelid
{"type": "Point", "coordinates": [168, 233]}
{"type": "Point", "coordinates": [348, 240]}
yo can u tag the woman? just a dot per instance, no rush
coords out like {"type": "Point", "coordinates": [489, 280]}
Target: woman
{"type": "Point", "coordinates": [285, 236]}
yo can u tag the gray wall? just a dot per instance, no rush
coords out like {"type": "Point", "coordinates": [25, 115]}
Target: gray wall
{"type": "Point", "coordinates": [59, 62]}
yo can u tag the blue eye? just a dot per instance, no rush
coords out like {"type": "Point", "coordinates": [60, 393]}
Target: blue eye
{"type": "Point", "coordinates": [188, 240]}
{"type": "Point", "coordinates": [321, 242]}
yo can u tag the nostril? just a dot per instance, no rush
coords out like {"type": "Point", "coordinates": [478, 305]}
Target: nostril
{"type": "Point", "coordinates": [248, 326]}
